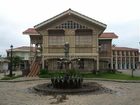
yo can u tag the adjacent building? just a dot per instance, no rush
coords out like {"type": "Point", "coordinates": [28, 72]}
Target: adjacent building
{"type": "Point", "coordinates": [24, 54]}
{"type": "Point", "coordinates": [3, 64]}
{"type": "Point", "coordinates": [125, 58]}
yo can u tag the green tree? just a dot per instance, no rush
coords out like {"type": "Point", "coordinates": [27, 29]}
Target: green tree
{"type": "Point", "coordinates": [16, 62]}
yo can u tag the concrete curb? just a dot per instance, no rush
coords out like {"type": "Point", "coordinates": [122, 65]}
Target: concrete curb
{"type": "Point", "coordinates": [24, 80]}
{"type": "Point", "coordinates": [97, 79]}
{"type": "Point", "coordinates": [114, 80]}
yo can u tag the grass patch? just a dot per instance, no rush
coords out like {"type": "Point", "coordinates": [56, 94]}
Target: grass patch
{"type": "Point", "coordinates": [11, 78]}
{"type": "Point", "coordinates": [105, 75]}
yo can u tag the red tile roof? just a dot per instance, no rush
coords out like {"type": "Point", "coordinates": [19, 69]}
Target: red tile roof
{"type": "Point", "coordinates": [31, 31]}
{"type": "Point", "coordinates": [108, 35]}
{"type": "Point", "coordinates": [124, 49]}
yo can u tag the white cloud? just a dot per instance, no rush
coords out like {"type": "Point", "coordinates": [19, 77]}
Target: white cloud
{"type": "Point", "coordinates": [121, 16]}
{"type": "Point", "coordinates": [128, 32]}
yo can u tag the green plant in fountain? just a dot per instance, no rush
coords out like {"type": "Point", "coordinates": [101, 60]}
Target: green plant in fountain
{"type": "Point", "coordinates": [73, 72]}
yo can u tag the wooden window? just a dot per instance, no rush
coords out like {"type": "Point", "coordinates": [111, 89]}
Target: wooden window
{"type": "Point", "coordinates": [84, 40]}
{"type": "Point", "coordinates": [56, 37]}
{"type": "Point", "coordinates": [56, 40]}
{"type": "Point", "coordinates": [104, 47]}
{"type": "Point", "coordinates": [83, 37]}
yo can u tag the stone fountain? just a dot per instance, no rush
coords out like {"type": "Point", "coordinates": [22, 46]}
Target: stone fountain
{"type": "Point", "coordinates": [69, 83]}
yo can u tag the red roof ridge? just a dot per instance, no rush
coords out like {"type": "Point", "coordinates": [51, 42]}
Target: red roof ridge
{"type": "Point", "coordinates": [108, 35]}
{"type": "Point", "coordinates": [31, 31]}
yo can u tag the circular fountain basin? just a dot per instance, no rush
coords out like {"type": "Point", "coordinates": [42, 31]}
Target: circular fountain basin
{"type": "Point", "coordinates": [47, 88]}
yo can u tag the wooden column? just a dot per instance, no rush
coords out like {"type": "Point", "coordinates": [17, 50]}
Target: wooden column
{"type": "Point", "coordinates": [44, 46]}
{"type": "Point", "coordinates": [116, 57]}
{"type": "Point", "coordinates": [97, 62]}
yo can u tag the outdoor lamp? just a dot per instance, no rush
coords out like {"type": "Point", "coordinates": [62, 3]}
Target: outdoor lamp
{"type": "Point", "coordinates": [11, 61]}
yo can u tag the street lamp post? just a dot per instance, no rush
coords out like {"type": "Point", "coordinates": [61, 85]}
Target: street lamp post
{"type": "Point", "coordinates": [11, 61]}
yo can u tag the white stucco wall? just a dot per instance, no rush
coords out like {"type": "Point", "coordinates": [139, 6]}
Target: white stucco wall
{"type": "Point", "coordinates": [3, 66]}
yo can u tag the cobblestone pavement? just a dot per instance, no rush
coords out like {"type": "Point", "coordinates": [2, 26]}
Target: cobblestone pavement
{"type": "Point", "coordinates": [18, 94]}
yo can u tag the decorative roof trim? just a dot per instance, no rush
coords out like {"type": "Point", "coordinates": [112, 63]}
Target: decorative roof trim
{"type": "Point", "coordinates": [69, 12]}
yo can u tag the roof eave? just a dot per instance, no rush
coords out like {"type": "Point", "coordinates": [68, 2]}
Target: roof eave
{"type": "Point", "coordinates": [89, 19]}
{"type": "Point", "coordinates": [50, 20]}
{"type": "Point", "coordinates": [107, 38]}
{"type": "Point", "coordinates": [31, 34]}
{"type": "Point", "coordinates": [18, 50]}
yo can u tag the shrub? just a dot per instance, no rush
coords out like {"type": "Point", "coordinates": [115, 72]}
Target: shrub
{"type": "Point", "coordinates": [112, 71]}
{"type": "Point", "coordinates": [43, 71]}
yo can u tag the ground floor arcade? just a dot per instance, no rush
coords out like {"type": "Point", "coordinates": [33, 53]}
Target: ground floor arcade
{"type": "Point", "coordinates": [125, 63]}
{"type": "Point", "coordinates": [78, 62]}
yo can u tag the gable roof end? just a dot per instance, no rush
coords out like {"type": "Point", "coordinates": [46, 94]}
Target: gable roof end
{"type": "Point", "coordinates": [69, 11]}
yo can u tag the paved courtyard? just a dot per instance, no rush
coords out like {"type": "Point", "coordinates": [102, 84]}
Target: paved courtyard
{"type": "Point", "coordinates": [18, 94]}
{"type": "Point", "coordinates": [129, 72]}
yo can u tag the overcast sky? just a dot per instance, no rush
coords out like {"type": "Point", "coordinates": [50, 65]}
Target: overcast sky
{"type": "Point", "coordinates": [121, 16]}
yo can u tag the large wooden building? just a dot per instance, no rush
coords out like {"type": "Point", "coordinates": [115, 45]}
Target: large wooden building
{"type": "Point", "coordinates": [89, 48]}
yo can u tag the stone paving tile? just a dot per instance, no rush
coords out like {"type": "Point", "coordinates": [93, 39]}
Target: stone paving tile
{"type": "Point", "coordinates": [18, 94]}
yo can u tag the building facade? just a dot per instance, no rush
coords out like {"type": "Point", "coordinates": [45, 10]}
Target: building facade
{"type": "Point", "coordinates": [89, 48]}
{"type": "Point", "coordinates": [81, 32]}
